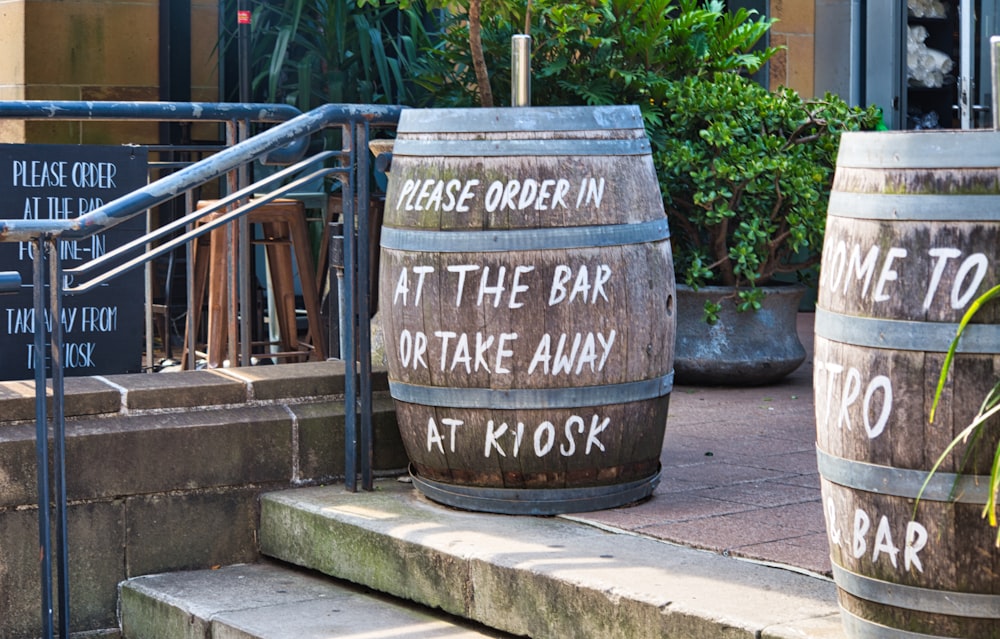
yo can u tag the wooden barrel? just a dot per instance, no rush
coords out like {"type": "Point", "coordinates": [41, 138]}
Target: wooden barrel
{"type": "Point", "coordinates": [526, 293]}
{"type": "Point", "coordinates": [912, 238]}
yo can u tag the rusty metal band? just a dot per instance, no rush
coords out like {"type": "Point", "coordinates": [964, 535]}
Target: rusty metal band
{"type": "Point", "coordinates": [914, 208]}
{"type": "Point", "coordinates": [532, 398]}
{"type": "Point", "coordinates": [535, 119]}
{"type": "Point", "coordinates": [905, 335]}
{"type": "Point", "coordinates": [536, 501]}
{"type": "Point", "coordinates": [883, 150]}
{"type": "Point", "coordinates": [518, 148]}
{"type": "Point", "coordinates": [941, 602]}
{"type": "Point", "coordinates": [902, 482]}
{"type": "Point", "coordinates": [563, 237]}
{"type": "Point", "coordinates": [855, 626]}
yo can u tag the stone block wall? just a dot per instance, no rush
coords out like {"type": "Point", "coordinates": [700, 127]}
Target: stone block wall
{"type": "Point", "coordinates": [94, 50]}
{"type": "Point", "coordinates": [795, 30]}
{"type": "Point", "coordinates": [164, 472]}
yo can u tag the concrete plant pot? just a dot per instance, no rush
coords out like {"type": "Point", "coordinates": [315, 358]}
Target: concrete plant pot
{"type": "Point", "coordinates": [748, 348]}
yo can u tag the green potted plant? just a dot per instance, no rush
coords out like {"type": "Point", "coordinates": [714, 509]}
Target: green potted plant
{"type": "Point", "coordinates": [746, 174]}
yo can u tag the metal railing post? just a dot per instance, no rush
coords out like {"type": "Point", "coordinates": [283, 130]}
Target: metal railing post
{"type": "Point", "coordinates": [350, 311]}
{"type": "Point", "coordinates": [42, 437]}
{"type": "Point", "coordinates": [46, 236]}
{"type": "Point", "coordinates": [244, 262]}
{"type": "Point", "coordinates": [59, 431]}
{"type": "Point", "coordinates": [364, 303]}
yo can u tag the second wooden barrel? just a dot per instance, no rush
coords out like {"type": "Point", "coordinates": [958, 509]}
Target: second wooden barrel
{"type": "Point", "coordinates": [526, 293]}
{"type": "Point", "coordinates": [912, 238]}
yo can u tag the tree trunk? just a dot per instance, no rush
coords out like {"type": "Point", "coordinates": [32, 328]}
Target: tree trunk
{"type": "Point", "coordinates": [478, 59]}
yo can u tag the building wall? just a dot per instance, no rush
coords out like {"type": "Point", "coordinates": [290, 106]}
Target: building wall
{"type": "Point", "coordinates": [93, 50]}
{"type": "Point", "coordinates": [795, 30]}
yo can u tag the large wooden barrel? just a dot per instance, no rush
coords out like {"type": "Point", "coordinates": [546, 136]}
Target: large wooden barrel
{"type": "Point", "coordinates": [912, 237]}
{"type": "Point", "coordinates": [526, 294]}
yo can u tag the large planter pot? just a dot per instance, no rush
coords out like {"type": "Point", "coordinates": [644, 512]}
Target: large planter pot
{"type": "Point", "coordinates": [529, 334]}
{"type": "Point", "coordinates": [743, 348]}
{"type": "Point", "coordinates": [911, 239]}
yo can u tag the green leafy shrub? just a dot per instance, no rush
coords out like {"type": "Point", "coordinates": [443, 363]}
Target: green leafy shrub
{"type": "Point", "coordinates": [746, 175]}
{"type": "Point", "coordinates": [745, 172]}
{"type": "Point", "coordinates": [598, 52]}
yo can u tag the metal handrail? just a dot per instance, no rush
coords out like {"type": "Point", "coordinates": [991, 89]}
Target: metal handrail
{"type": "Point", "coordinates": [159, 112]}
{"type": "Point", "coordinates": [213, 167]}
{"type": "Point", "coordinates": [285, 140]}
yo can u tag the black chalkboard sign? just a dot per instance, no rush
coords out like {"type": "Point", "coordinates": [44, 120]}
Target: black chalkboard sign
{"type": "Point", "coordinates": [102, 329]}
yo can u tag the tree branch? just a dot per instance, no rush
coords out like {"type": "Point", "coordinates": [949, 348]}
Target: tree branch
{"type": "Point", "coordinates": [476, 49]}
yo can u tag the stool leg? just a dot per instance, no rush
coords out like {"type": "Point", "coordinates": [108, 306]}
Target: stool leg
{"type": "Point", "coordinates": [310, 290]}
{"type": "Point", "coordinates": [201, 257]}
{"type": "Point", "coordinates": [217, 306]}
{"type": "Point", "coordinates": [279, 260]}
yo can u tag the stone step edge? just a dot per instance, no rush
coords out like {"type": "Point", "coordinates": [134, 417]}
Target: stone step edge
{"type": "Point", "coordinates": [140, 393]}
{"type": "Point", "coordinates": [267, 600]}
{"type": "Point", "coordinates": [539, 577]}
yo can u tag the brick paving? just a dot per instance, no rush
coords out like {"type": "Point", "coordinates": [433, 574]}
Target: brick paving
{"type": "Point", "coordinates": [739, 473]}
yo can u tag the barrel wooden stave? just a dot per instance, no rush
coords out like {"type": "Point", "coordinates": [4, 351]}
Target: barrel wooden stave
{"type": "Point", "coordinates": [940, 226]}
{"type": "Point", "coordinates": [631, 446]}
{"type": "Point", "coordinates": [634, 310]}
{"type": "Point", "coordinates": [627, 330]}
{"type": "Point", "coordinates": [943, 571]}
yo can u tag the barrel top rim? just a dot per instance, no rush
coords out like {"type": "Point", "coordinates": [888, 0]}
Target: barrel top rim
{"type": "Point", "coordinates": [927, 149]}
{"type": "Point", "coordinates": [498, 119]}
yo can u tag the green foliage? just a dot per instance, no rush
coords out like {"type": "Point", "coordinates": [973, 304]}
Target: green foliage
{"type": "Point", "coordinates": [597, 52]}
{"type": "Point", "coordinates": [973, 433]}
{"type": "Point", "coordinates": [334, 51]}
{"type": "Point", "coordinates": [746, 174]}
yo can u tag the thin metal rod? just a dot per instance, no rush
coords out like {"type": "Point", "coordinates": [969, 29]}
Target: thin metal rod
{"type": "Point", "coordinates": [42, 440]}
{"type": "Point", "coordinates": [232, 259]}
{"type": "Point", "coordinates": [243, 251]}
{"type": "Point", "coordinates": [349, 310]}
{"type": "Point", "coordinates": [59, 433]}
{"type": "Point", "coordinates": [148, 315]}
{"type": "Point", "coordinates": [190, 234]}
{"type": "Point", "coordinates": [995, 79]}
{"type": "Point", "coordinates": [142, 243]}
{"type": "Point", "coordinates": [190, 247]}
{"type": "Point", "coordinates": [966, 62]}
{"type": "Point", "coordinates": [364, 305]}
{"type": "Point", "coordinates": [166, 188]}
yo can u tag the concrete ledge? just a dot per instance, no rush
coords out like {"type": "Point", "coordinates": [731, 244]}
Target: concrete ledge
{"type": "Point", "coordinates": [540, 577]}
{"type": "Point", "coordinates": [266, 601]}
{"type": "Point", "coordinates": [164, 472]}
{"type": "Point", "coordinates": [128, 394]}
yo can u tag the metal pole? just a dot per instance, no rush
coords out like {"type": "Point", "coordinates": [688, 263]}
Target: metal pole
{"type": "Point", "coordinates": [245, 304]}
{"type": "Point", "coordinates": [243, 47]}
{"type": "Point", "coordinates": [190, 249]}
{"type": "Point", "coordinates": [59, 432]}
{"type": "Point", "coordinates": [364, 305]}
{"type": "Point", "coordinates": [995, 75]}
{"type": "Point", "coordinates": [42, 438]}
{"type": "Point", "coordinates": [349, 310]}
{"type": "Point", "coordinates": [520, 69]}
{"type": "Point", "coordinates": [232, 259]}
{"type": "Point", "coordinates": [856, 63]}
{"type": "Point", "coordinates": [966, 62]}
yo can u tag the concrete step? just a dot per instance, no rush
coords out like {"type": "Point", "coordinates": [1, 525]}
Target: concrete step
{"type": "Point", "coordinates": [269, 601]}
{"type": "Point", "coordinates": [541, 577]}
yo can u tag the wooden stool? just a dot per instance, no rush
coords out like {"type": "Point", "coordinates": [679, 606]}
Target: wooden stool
{"type": "Point", "coordinates": [283, 226]}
